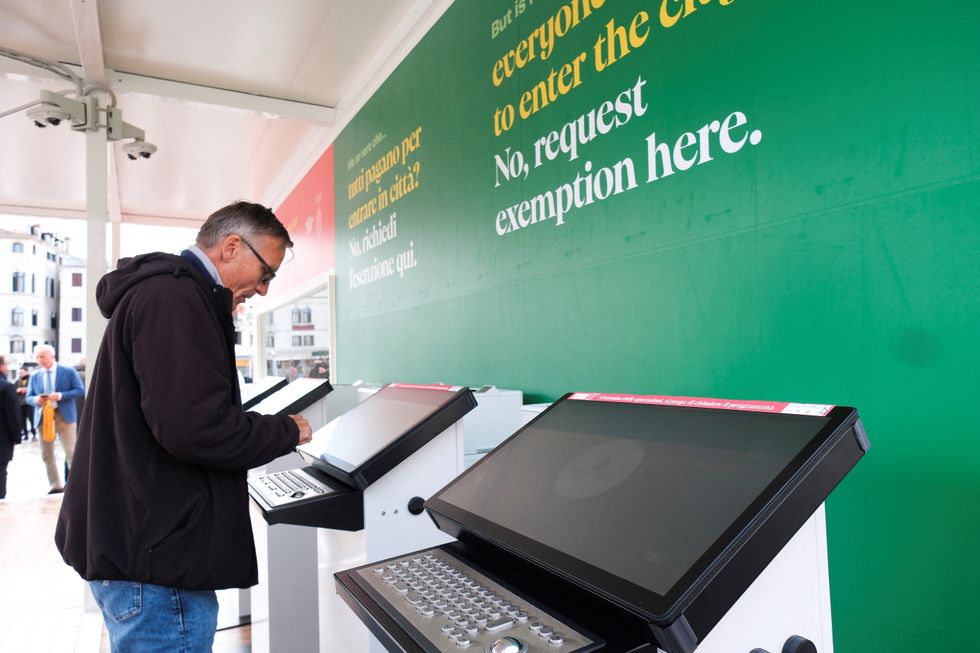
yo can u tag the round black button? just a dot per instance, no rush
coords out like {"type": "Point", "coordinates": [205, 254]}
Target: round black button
{"type": "Point", "coordinates": [798, 644]}
{"type": "Point", "coordinates": [416, 505]}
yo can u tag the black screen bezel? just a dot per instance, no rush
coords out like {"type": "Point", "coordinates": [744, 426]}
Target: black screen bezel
{"type": "Point", "coordinates": [280, 383]}
{"type": "Point", "coordinates": [640, 600]}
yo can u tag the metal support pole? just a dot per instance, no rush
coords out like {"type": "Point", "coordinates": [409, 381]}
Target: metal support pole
{"type": "Point", "coordinates": [96, 176]}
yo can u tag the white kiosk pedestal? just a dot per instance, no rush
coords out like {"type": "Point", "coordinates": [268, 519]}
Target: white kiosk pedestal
{"type": "Point", "coordinates": [290, 604]}
{"type": "Point", "coordinates": [791, 597]}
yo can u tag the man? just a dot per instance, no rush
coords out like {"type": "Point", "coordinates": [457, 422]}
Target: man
{"type": "Point", "coordinates": [156, 516]}
{"type": "Point", "coordinates": [58, 386]}
{"type": "Point", "coordinates": [26, 410]}
{"type": "Point", "coordinates": [10, 424]}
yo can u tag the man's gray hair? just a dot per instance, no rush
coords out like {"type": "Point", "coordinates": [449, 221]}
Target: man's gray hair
{"type": "Point", "coordinates": [242, 218]}
{"type": "Point", "coordinates": [44, 349]}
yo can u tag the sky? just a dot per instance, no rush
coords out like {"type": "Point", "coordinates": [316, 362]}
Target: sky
{"type": "Point", "coordinates": [134, 239]}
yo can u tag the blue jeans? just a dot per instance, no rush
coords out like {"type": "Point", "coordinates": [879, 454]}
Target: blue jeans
{"type": "Point", "coordinates": [145, 618]}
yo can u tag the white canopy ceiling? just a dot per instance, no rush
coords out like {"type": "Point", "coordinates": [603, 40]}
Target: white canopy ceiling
{"type": "Point", "coordinates": [241, 97]}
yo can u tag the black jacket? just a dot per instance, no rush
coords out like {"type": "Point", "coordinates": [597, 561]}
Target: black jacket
{"type": "Point", "coordinates": [11, 420]}
{"type": "Point", "coordinates": [158, 489]}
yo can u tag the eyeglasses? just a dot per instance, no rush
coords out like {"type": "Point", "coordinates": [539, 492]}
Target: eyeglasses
{"type": "Point", "coordinates": [270, 274]}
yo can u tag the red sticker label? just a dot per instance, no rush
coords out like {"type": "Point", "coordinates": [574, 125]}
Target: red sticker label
{"type": "Point", "coordinates": [818, 410]}
{"type": "Point", "coordinates": [431, 386]}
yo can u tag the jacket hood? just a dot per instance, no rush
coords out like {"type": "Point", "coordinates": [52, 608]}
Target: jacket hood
{"type": "Point", "coordinates": [131, 271]}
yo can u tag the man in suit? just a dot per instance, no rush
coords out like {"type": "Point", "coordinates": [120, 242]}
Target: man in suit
{"type": "Point", "coordinates": [10, 425]}
{"type": "Point", "coordinates": [60, 386]}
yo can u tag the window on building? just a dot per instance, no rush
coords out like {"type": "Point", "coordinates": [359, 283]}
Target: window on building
{"type": "Point", "coordinates": [17, 248]}
{"type": "Point", "coordinates": [54, 320]}
{"type": "Point", "coordinates": [33, 283]}
{"type": "Point", "coordinates": [302, 315]}
{"type": "Point", "coordinates": [270, 318]}
{"type": "Point", "coordinates": [238, 337]}
{"type": "Point", "coordinates": [34, 317]}
{"type": "Point", "coordinates": [76, 345]}
{"type": "Point", "coordinates": [295, 355]}
{"type": "Point", "coordinates": [76, 279]}
{"type": "Point", "coordinates": [16, 317]}
{"type": "Point", "coordinates": [50, 283]}
{"type": "Point", "coordinates": [19, 282]}
{"type": "Point", "coordinates": [76, 315]}
{"type": "Point", "coordinates": [16, 345]}
{"type": "Point", "coordinates": [270, 340]}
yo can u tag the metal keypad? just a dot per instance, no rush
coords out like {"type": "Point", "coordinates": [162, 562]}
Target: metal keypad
{"type": "Point", "coordinates": [282, 488]}
{"type": "Point", "coordinates": [456, 607]}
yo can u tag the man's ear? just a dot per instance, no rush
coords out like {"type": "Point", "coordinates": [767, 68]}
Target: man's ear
{"type": "Point", "coordinates": [230, 247]}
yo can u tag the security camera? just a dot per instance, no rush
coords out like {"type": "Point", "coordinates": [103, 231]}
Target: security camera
{"type": "Point", "coordinates": [139, 149]}
{"type": "Point", "coordinates": [53, 108]}
{"type": "Point", "coordinates": [46, 114]}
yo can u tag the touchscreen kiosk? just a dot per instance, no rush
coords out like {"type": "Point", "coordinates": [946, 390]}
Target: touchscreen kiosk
{"type": "Point", "coordinates": [368, 469]}
{"type": "Point", "coordinates": [626, 522]}
{"type": "Point", "coordinates": [256, 391]}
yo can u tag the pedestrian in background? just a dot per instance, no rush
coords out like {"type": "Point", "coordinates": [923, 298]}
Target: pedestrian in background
{"type": "Point", "coordinates": [10, 424]}
{"type": "Point", "coordinates": [57, 386]}
{"type": "Point", "coordinates": [26, 410]}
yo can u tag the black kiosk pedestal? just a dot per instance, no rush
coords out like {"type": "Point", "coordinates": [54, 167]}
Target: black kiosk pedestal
{"type": "Point", "coordinates": [626, 523]}
{"type": "Point", "coordinates": [368, 469]}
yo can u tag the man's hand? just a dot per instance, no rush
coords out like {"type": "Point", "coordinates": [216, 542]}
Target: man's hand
{"type": "Point", "coordinates": [305, 432]}
{"type": "Point", "coordinates": [55, 396]}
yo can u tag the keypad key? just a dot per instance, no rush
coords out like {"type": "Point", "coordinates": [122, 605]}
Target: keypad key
{"type": "Point", "coordinates": [499, 624]}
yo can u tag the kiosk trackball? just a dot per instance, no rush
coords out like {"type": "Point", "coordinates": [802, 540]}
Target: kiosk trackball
{"type": "Point", "coordinates": [508, 645]}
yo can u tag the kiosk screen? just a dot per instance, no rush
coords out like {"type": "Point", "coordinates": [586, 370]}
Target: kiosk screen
{"type": "Point", "coordinates": [631, 498]}
{"type": "Point", "coordinates": [292, 398]}
{"type": "Point", "coordinates": [370, 427]}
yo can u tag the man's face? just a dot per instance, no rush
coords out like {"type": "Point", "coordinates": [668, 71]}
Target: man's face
{"type": "Point", "coordinates": [45, 359]}
{"type": "Point", "coordinates": [246, 272]}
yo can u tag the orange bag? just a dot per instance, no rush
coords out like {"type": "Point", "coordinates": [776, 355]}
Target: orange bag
{"type": "Point", "coordinates": [47, 422]}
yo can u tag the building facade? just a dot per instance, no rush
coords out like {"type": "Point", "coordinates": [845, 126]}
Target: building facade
{"type": "Point", "coordinates": [28, 292]}
{"type": "Point", "coordinates": [297, 338]}
{"type": "Point", "coordinates": [71, 311]}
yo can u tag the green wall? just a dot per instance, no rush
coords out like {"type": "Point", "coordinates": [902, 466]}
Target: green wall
{"type": "Point", "coordinates": [835, 261]}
